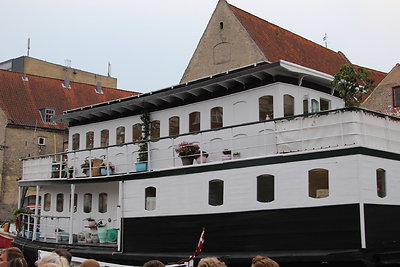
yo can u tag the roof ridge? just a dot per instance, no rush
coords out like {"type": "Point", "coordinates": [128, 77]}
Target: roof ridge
{"type": "Point", "coordinates": [61, 80]}
{"type": "Point", "coordinates": [286, 30]}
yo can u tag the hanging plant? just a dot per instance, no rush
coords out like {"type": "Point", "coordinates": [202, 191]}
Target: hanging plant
{"type": "Point", "coordinates": [143, 146]}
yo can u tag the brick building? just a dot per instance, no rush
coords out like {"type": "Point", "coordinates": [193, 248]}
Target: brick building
{"type": "Point", "coordinates": [30, 65]}
{"type": "Point", "coordinates": [235, 38]}
{"type": "Point", "coordinates": [386, 96]}
{"type": "Point", "coordinates": [27, 105]}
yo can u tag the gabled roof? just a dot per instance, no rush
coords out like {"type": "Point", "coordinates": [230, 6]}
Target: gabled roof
{"type": "Point", "coordinates": [21, 100]}
{"type": "Point", "coordinates": [277, 43]}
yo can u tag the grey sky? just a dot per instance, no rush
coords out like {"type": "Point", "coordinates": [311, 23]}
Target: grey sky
{"type": "Point", "coordinates": [149, 43]}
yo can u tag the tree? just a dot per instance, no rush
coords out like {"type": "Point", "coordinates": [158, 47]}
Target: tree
{"type": "Point", "coordinates": [352, 84]}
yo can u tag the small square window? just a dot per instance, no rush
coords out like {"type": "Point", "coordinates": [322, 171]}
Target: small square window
{"type": "Point", "coordinates": [41, 141]}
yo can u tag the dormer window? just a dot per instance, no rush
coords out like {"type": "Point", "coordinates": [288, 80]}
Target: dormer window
{"type": "Point", "coordinates": [48, 114]}
{"type": "Point", "coordinates": [99, 89]}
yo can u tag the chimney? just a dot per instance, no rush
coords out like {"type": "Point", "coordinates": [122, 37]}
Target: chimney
{"type": "Point", "coordinates": [67, 70]}
{"type": "Point", "coordinates": [99, 89]}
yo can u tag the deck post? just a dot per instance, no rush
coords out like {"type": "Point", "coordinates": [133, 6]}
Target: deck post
{"type": "Point", "coordinates": [19, 197]}
{"type": "Point", "coordinates": [71, 216]}
{"type": "Point", "coordinates": [35, 218]}
{"type": "Point", "coordinates": [119, 213]}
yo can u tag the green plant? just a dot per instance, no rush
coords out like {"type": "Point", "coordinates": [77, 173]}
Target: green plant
{"type": "Point", "coordinates": [108, 165]}
{"type": "Point", "coordinates": [352, 85]}
{"type": "Point", "coordinates": [22, 211]}
{"type": "Point", "coordinates": [185, 149]}
{"type": "Point", "coordinates": [143, 145]}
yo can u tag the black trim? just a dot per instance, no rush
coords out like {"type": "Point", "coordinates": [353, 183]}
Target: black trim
{"type": "Point", "coordinates": [225, 165]}
{"type": "Point", "coordinates": [314, 236]}
{"type": "Point", "coordinates": [382, 226]}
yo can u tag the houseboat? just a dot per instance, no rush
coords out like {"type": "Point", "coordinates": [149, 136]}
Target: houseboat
{"type": "Point", "coordinates": [265, 158]}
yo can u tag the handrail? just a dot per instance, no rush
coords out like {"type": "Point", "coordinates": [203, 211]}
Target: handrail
{"type": "Point", "coordinates": [222, 128]}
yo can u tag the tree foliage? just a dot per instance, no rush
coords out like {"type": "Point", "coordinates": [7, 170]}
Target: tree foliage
{"type": "Point", "coordinates": [352, 84]}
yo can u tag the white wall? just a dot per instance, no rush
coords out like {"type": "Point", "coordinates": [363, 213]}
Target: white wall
{"type": "Point", "coordinates": [352, 179]}
{"type": "Point", "coordinates": [237, 108]}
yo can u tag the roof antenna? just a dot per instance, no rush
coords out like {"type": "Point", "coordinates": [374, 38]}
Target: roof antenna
{"type": "Point", "coordinates": [68, 63]}
{"type": "Point", "coordinates": [325, 39]}
{"type": "Point", "coordinates": [29, 45]}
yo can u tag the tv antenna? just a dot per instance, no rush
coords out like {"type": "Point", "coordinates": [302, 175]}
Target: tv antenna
{"type": "Point", "coordinates": [325, 39]}
{"type": "Point", "coordinates": [29, 45]}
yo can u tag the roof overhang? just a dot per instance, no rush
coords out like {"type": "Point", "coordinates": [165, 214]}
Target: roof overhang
{"type": "Point", "coordinates": [227, 82]}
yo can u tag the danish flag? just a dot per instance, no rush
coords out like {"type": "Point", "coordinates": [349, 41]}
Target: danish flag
{"type": "Point", "coordinates": [196, 252]}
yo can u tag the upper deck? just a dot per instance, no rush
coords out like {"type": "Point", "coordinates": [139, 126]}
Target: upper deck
{"type": "Point", "coordinates": [296, 134]}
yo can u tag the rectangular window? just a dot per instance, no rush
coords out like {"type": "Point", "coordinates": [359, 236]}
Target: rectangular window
{"type": "Point", "coordinates": [47, 202]}
{"type": "Point", "coordinates": [89, 140]}
{"type": "Point", "coordinates": [155, 129]}
{"type": "Point", "coordinates": [75, 141]}
{"type": "Point", "coordinates": [120, 135]}
{"type": "Point", "coordinates": [136, 131]}
{"type": "Point", "coordinates": [104, 137]}
{"type": "Point", "coordinates": [396, 96]}
{"type": "Point", "coordinates": [216, 192]}
{"type": "Point", "coordinates": [174, 126]}
{"type": "Point", "coordinates": [194, 122]}
{"type": "Point", "coordinates": [324, 104]}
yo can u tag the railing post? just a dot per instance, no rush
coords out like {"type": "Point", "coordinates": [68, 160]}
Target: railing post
{"type": "Point", "coordinates": [148, 156]}
{"type": "Point", "coordinates": [74, 168]}
{"type": "Point", "coordinates": [19, 197]}
{"type": "Point", "coordinates": [71, 216]}
{"type": "Point", "coordinates": [28, 222]}
{"type": "Point", "coordinates": [127, 160]}
{"type": "Point", "coordinates": [173, 152]}
{"type": "Point", "coordinates": [231, 142]}
{"type": "Point", "coordinates": [35, 218]}
{"type": "Point", "coordinates": [119, 213]}
{"type": "Point", "coordinates": [201, 150]}
{"type": "Point", "coordinates": [45, 223]}
{"type": "Point", "coordinates": [106, 162]}
{"type": "Point", "coordinates": [90, 163]}
{"type": "Point", "coordinates": [58, 227]}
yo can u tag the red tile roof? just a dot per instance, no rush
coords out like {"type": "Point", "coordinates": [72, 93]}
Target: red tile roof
{"type": "Point", "coordinates": [21, 100]}
{"type": "Point", "coordinates": [277, 43]}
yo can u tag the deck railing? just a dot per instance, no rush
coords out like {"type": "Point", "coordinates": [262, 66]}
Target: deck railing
{"type": "Point", "coordinates": [324, 130]}
{"type": "Point", "coordinates": [58, 229]}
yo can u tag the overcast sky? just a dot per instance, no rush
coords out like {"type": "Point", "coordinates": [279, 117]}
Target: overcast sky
{"type": "Point", "coordinates": [150, 42]}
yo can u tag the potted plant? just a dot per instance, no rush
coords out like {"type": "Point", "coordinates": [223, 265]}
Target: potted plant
{"type": "Point", "coordinates": [236, 155]}
{"type": "Point", "coordinates": [226, 154]}
{"type": "Point", "coordinates": [71, 172]}
{"type": "Point", "coordinates": [187, 151]}
{"type": "Point", "coordinates": [21, 222]}
{"type": "Point", "coordinates": [201, 157]}
{"type": "Point", "coordinates": [91, 222]}
{"type": "Point", "coordinates": [107, 168]}
{"type": "Point", "coordinates": [93, 164]}
{"type": "Point", "coordinates": [61, 235]}
{"type": "Point", "coordinates": [142, 160]}
{"type": "Point", "coordinates": [102, 231]}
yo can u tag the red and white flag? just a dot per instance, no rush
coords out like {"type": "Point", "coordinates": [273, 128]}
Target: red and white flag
{"type": "Point", "coordinates": [196, 252]}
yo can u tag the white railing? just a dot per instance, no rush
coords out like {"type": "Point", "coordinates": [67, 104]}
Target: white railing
{"type": "Point", "coordinates": [331, 129]}
{"type": "Point", "coordinates": [57, 229]}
